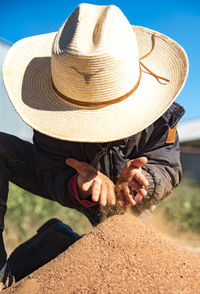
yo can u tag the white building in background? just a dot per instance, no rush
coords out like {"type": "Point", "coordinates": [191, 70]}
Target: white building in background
{"type": "Point", "coordinates": [189, 133]}
{"type": "Point", "coordinates": [10, 122]}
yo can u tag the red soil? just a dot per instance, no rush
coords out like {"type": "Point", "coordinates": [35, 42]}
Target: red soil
{"type": "Point", "coordinates": [121, 255]}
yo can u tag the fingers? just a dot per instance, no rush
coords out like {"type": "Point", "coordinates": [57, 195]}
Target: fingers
{"type": "Point", "coordinates": [128, 196]}
{"type": "Point", "coordinates": [96, 188]}
{"type": "Point", "coordinates": [84, 169]}
{"type": "Point", "coordinates": [86, 185]}
{"type": "Point", "coordinates": [102, 194]}
{"type": "Point", "coordinates": [135, 186]}
{"type": "Point", "coordinates": [140, 178]}
{"type": "Point", "coordinates": [111, 197]}
{"type": "Point", "coordinates": [138, 198]}
{"type": "Point", "coordinates": [139, 162]}
{"type": "Point", "coordinates": [77, 165]}
{"type": "Point", "coordinates": [126, 193]}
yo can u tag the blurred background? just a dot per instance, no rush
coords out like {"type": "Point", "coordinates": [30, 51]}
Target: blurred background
{"type": "Point", "coordinates": [178, 215]}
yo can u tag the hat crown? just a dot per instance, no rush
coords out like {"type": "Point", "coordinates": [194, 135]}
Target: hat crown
{"type": "Point", "coordinates": [95, 55]}
{"type": "Point", "coordinates": [94, 58]}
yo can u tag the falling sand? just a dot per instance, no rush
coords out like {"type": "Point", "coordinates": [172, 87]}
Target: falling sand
{"type": "Point", "coordinates": [121, 255]}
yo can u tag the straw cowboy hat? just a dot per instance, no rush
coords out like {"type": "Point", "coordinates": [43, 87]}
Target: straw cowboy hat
{"type": "Point", "coordinates": [97, 79]}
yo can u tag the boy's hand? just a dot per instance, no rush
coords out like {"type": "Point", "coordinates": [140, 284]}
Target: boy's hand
{"type": "Point", "coordinates": [131, 184]}
{"type": "Point", "coordinates": [90, 181]}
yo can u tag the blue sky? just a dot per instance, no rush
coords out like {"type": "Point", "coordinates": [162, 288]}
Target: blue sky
{"type": "Point", "coordinates": [179, 20]}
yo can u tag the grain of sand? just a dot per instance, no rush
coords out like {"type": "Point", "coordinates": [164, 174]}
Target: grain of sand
{"type": "Point", "coordinates": [121, 255]}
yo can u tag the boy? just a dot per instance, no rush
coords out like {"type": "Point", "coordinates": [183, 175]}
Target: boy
{"type": "Point", "coordinates": [104, 122]}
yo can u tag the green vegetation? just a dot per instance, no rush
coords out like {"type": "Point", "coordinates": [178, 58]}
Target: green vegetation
{"type": "Point", "coordinates": [26, 213]}
{"type": "Point", "coordinates": [183, 207]}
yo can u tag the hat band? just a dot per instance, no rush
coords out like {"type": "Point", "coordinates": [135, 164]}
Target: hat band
{"type": "Point", "coordinates": [97, 104]}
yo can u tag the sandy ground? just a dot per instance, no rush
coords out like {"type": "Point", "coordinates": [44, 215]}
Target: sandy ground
{"type": "Point", "coordinates": [121, 255]}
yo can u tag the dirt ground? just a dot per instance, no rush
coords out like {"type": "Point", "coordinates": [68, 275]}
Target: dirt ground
{"type": "Point", "coordinates": [121, 255]}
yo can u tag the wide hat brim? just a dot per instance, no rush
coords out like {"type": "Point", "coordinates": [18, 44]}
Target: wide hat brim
{"type": "Point", "coordinates": [27, 78]}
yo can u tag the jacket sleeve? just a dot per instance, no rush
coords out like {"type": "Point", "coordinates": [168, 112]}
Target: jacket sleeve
{"type": "Point", "coordinates": [163, 170]}
{"type": "Point", "coordinates": [53, 173]}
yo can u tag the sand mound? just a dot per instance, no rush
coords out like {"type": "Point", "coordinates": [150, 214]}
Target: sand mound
{"type": "Point", "coordinates": [121, 255]}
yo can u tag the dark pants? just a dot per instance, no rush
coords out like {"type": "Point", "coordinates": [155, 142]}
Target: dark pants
{"type": "Point", "coordinates": [17, 164]}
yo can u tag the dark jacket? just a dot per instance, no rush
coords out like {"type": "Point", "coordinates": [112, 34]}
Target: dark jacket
{"type": "Point", "coordinates": [163, 169]}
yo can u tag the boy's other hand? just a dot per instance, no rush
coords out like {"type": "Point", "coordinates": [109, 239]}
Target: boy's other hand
{"type": "Point", "coordinates": [131, 184]}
